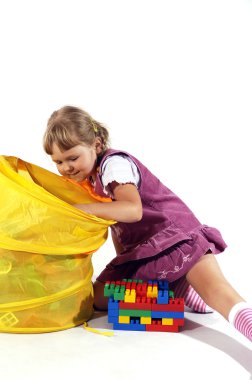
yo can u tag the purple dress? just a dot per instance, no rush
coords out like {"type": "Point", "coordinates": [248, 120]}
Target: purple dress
{"type": "Point", "coordinates": [166, 242]}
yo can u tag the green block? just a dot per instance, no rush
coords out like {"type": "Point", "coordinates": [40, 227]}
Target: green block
{"type": "Point", "coordinates": [130, 280]}
{"type": "Point", "coordinates": [135, 313]}
{"type": "Point", "coordinates": [119, 293]}
{"type": "Point", "coordinates": [109, 290]}
{"type": "Point", "coordinates": [171, 294]}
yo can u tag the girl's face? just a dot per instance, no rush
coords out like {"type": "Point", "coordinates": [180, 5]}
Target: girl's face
{"type": "Point", "coordinates": [77, 163]}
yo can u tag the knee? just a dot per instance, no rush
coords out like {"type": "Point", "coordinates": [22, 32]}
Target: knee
{"type": "Point", "coordinates": [100, 302]}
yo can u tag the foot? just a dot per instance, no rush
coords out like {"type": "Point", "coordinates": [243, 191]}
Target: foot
{"type": "Point", "coordinates": [195, 302]}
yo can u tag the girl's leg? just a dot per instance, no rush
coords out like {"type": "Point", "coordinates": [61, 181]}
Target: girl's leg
{"type": "Point", "coordinates": [182, 289]}
{"type": "Point", "coordinates": [100, 301]}
{"type": "Point", "coordinates": [209, 282]}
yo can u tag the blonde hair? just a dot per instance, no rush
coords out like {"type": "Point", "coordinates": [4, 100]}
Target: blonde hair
{"type": "Point", "coordinates": [70, 126]}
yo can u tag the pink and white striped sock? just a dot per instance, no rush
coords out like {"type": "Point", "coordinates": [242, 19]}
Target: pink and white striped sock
{"type": "Point", "coordinates": [195, 302]}
{"type": "Point", "coordinates": [240, 316]}
{"type": "Point", "coordinates": [191, 297]}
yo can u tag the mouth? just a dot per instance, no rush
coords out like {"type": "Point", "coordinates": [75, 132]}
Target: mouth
{"type": "Point", "coordinates": [73, 175]}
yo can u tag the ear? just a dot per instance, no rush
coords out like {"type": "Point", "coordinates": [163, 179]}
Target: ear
{"type": "Point", "coordinates": [98, 145]}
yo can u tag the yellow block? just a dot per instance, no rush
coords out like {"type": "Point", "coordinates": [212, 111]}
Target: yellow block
{"type": "Point", "coordinates": [155, 291]}
{"type": "Point", "coordinates": [167, 321]}
{"type": "Point", "coordinates": [130, 295]}
{"type": "Point", "coordinates": [145, 320]}
{"type": "Point", "coordinates": [152, 292]}
{"type": "Point", "coordinates": [149, 291]}
{"type": "Point", "coordinates": [124, 319]}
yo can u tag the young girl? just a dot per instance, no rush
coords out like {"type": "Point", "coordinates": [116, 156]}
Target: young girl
{"type": "Point", "coordinates": [156, 235]}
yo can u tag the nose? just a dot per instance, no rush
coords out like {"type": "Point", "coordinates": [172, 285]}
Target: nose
{"type": "Point", "coordinates": [67, 168]}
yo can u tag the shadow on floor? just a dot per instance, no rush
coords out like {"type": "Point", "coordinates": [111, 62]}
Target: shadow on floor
{"type": "Point", "coordinates": [221, 341]}
{"type": "Point", "coordinates": [230, 346]}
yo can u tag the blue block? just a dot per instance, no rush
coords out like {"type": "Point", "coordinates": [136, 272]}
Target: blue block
{"type": "Point", "coordinates": [113, 309]}
{"type": "Point", "coordinates": [167, 314]}
{"type": "Point", "coordinates": [163, 297]}
{"type": "Point", "coordinates": [113, 304]}
{"type": "Point", "coordinates": [112, 319]}
{"type": "Point", "coordinates": [163, 285]}
{"type": "Point", "coordinates": [129, 327]}
{"type": "Point", "coordinates": [113, 312]}
{"type": "Point", "coordinates": [134, 320]}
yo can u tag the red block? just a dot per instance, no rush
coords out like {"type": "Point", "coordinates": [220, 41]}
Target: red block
{"type": "Point", "coordinates": [178, 322]}
{"type": "Point", "coordinates": [134, 305]}
{"type": "Point", "coordinates": [159, 327]}
{"type": "Point", "coordinates": [133, 285]}
{"type": "Point", "coordinates": [176, 304]}
{"type": "Point", "coordinates": [141, 289]}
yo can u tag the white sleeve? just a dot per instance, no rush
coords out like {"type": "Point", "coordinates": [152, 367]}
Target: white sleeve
{"type": "Point", "coordinates": [121, 169]}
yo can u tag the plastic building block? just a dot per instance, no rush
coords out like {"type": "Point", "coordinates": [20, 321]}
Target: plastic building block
{"type": "Point", "coordinates": [109, 289]}
{"type": "Point", "coordinates": [171, 294]}
{"type": "Point", "coordinates": [166, 314]}
{"type": "Point", "coordinates": [140, 304]}
{"type": "Point", "coordinates": [119, 293]}
{"type": "Point", "coordinates": [130, 295]}
{"type": "Point", "coordinates": [161, 328]}
{"type": "Point", "coordinates": [129, 327]}
{"type": "Point", "coordinates": [141, 289]}
{"type": "Point", "coordinates": [167, 321]}
{"type": "Point", "coordinates": [163, 297]}
{"type": "Point", "coordinates": [176, 304]}
{"type": "Point", "coordinates": [152, 291]}
{"type": "Point", "coordinates": [163, 285]}
{"type": "Point", "coordinates": [143, 306]}
{"type": "Point", "coordinates": [179, 322]}
{"type": "Point", "coordinates": [124, 319]}
{"type": "Point", "coordinates": [113, 307]}
{"type": "Point", "coordinates": [135, 313]}
{"type": "Point", "coordinates": [113, 319]}
{"type": "Point", "coordinates": [145, 320]}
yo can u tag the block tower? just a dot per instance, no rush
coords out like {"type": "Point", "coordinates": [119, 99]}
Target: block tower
{"type": "Point", "coordinates": [143, 306]}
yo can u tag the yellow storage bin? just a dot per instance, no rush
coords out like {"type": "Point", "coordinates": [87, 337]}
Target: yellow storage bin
{"type": "Point", "coordinates": [46, 247]}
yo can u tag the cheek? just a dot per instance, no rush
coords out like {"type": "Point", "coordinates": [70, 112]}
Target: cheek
{"type": "Point", "coordinates": [83, 165]}
{"type": "Point", "coordinates": [60, 170]}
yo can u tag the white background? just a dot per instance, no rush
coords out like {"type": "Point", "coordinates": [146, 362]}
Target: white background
{"type": "Point", "coordinates": [172, 80]}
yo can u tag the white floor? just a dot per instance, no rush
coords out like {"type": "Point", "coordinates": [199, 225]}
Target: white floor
{"type": "Point", "coordinates": [188, 63]}
{"type": "Point", "coordinates": [206, 348]}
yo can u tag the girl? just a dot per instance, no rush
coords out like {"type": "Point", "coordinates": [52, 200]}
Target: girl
{"type": "Point", "coordinates": [156, 235]}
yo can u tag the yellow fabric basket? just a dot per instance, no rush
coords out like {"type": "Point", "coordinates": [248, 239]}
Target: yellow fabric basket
{"type": "Point", "coordinates": [46, 247]}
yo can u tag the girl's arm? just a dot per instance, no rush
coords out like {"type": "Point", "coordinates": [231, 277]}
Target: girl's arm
{"type": "Point", "coordinates": [127, 206]}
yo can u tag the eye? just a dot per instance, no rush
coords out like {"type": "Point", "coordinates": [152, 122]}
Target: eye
{"type": "Point", "coordinates": [73, 158]}
{"type": "Point", "coordinates": [58, 162]}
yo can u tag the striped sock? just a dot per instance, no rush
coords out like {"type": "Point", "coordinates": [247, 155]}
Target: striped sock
{"type": "Point", "coordinates": [240, 317]}
{"type": "Point", "coordinates": [195, 302]}
{"type": "Point", "coordinates": [191, 298]}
